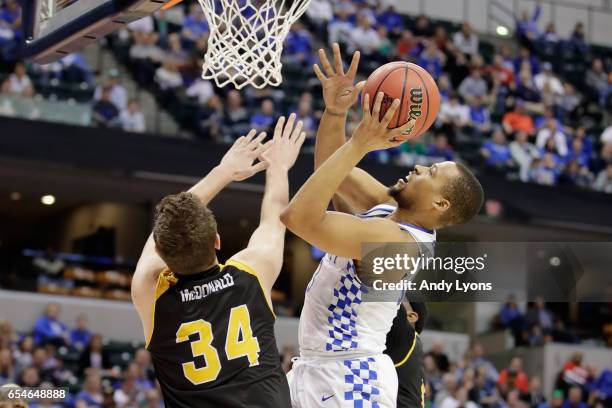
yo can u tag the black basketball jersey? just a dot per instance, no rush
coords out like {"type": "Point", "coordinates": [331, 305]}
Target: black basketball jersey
{"type": "Point", "coordinates": [405, 349]}
{"type": "Point", "coordinates": [212, 341]}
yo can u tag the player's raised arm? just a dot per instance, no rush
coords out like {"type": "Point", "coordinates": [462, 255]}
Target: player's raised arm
{"type": "Point", "coordinates": [359, 190]}
{"type": "Point", "coordinates": [265, 250]}
{"type": "Point", "coordinates": [237, 164]}
{"type": "Point", "coordinates": [333, 232]}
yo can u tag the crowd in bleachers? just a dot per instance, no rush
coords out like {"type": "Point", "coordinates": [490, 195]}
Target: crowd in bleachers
{"type": "Point", "coordinates": [99, 372]}
{"type": "Point", "coordinates": [515, 110]}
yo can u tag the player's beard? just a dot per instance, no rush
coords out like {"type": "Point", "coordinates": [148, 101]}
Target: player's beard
{"type": "Point", "coordinates": [402, 200]}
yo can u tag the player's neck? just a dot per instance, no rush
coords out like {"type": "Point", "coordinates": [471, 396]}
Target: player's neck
{"type": "Point", "coordinates": [413, 218]}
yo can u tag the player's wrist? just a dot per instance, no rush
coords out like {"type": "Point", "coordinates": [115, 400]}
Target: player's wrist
{"type": "Point", "coordinates": [225, 172]}
{"type": "Point", "coordinates": [336, 112]}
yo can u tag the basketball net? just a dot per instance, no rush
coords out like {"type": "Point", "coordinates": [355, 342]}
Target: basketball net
{"type": "Point", "coordinates": [246, 40]}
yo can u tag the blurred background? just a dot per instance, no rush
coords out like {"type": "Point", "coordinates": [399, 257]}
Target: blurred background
{"type": "Point", "coordinates": [90, 143]}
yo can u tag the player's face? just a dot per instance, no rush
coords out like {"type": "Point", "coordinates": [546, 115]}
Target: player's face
{"type": "Point", "coordinates": [421, 188]}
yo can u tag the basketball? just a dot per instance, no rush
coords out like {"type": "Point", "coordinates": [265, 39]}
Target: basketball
{"type": "Point", "coordinates": [413, 86]}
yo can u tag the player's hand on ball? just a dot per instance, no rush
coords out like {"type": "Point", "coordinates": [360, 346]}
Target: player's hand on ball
{"type": "Point", "coordinates": [373, 133]}
{"type": "Point", "coordinates": [339, 91]}
{"type": "Point", "coordinates": [240, 157]}
{"type": "Point", "coordinates": [286, 143]}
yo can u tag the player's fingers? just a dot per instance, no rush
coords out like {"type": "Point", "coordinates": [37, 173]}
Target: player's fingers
{"type": "Point", "coordinates": [239, 142]}
{"type": "Point", "coordinates": [366, 106]}
{"type": "Point", "coordinates": [390, 112]}
{"type": "Point", "coordinates": [300, 140]}
{"type": "Point", "coordinates": [405, 129]}
{"type": "Point", "coordinates": [289, 125]}
{"type": "Point", "coordinates": [319, 73]}
{"type": "Point", "coordinates": [278, 130]}
{"type": "Point", "coordinates": [352, 71]}
{"type": "Point", "coordinates": [329, 71]}
{"type": "Point", "coordinates": [259, 166]}
{"type": "Point", "coordinates": [338, 59]}
{"type": "Point", "coordinates": [249, 136]}
{"type": "Point", "coordinates": [261, 149]}
{"type": "Point", "coordinates": [255, 143]}
{"type": "Point", "coordinates": [359, 87]}
{"type": "Point", "coordinates": [296, 132]}
{"type": "Point", "coordinates": [377, 105]}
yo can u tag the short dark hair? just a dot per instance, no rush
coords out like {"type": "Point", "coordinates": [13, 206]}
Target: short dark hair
{"type": "Point", "coordinates": [184, 232]}
{"type": "Point", "coordinates": [465, 194]}
{"type": "Point", "coordinates": [418, 305]}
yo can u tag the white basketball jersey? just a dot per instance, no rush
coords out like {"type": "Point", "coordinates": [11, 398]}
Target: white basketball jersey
{"type": "Point", "coordinates": [334, 320]}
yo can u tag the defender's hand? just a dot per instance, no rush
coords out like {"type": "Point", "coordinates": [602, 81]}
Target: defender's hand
{"type": "Point", "coordinates": [238, 161]}
{"type": "Point", "coordinates": [286, 143]}
{"type": "Point", "coordinates": [339, 92]}
{"type": "Point", "coordinates": [373, 133]}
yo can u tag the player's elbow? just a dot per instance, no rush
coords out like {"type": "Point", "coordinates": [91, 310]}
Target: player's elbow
{"type": "Point", "coordinates": [287, 217]}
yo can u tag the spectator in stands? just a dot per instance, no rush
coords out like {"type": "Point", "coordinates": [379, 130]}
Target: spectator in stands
{"type": "Point", "coordinates": [263, 119]}
{"type": "Point", "coordinates": [104, 112]}
{"type": "Point", "coordinates": [602, 389]}
{"type": "Point", "coordinates": [576, 39]}
{"type": "Point", "coordinates": [501, 71]}
{"type": "Point", "coordinates": [574, 399]}
{"type": "Point", "coordinates": [91, 395]}
{"type": "Point", "coordinates": [407, 46]}
{"type": "Point", "coordinates": [19, 83]}
{"type": "Point", "coordinates": [195, 28]}
{"type": "Point", "coordinates": [305, 114]}
{"type": "Point", "coordinates": [453, 114]}
{"type": "Point", "coordinates": [440, 148]}
{"type": "Point", "coordinates": [551, 131]}
{"type": "Point", "coordinates": [569, 101]}
{"type": "Point", "coordinates": [132, 119]}
{"type": "Point", "coordinates": [573, 373]}
{"type": "Point", "coordinates": [423, 27]}
{"type": "Point", "coordinates": [603, 182]}
{"type": "Point", "coordinates": [145, 56]}
{"type": "Point", "coordinates": [518, 119]}
{"type": "Point", "coordinates": [298, 46]}
{"type": "Point", "coordinates": [535, 396]}
{"type": "Point", "coordinates": [483, 392]}
{"type": "Point", "coordinates": [439, 356]}
{"type": "Point", "coordinates": [7, 370]}
{"type": "Point", "coordinates": [80, 335]}
{"type": "Point", "coordinates": [320, 14]}
{"type": "Point", "coordinates": [523, 153]}
{"type": "Point", "coordinates": [513, 377]}
{"type": "Point", "coordinates": [527, 27]}
{"type": "Point", "coordinates": [130, 390]}
{"type": "Point", "coordinates": [340, 28]}
{"type": "Point", "coordinates": [548, 77]}
{"type": "Point", "coordinates": [539, 314]}
{"type": "Point", "coordinates": [477, 362]}
{"type": "Point", "coordinates": [168, 76]}
{"type": "Point", "coordinates": [75, 69]}
{"type": "Point", "coordinates": [480, 118]}
{"type": "Point", "coordinates": [431, 59]}
{"type": "Point", "coordinates": [118, 94]}
{"type": "Point", "coordinates": [473, 86]}
{"type": "Point", "coordinates": [175, 50]}
{"type": "Point", "coordinates": [201, 89]}
{"type": "Point", "coordinates": [23, 354]}
{"type": "Point", "coordinates": [235, 116]}
{"type": "Point", "coordinates": [597, 81]}
{"type": "Point", "coordinates": [94, 356]}
{"type": "Point", "coordinates": [556, 401]}
{"type": "Point", "coordinates": [525, 87]}
{"type": "Point", "coordinates": [549, 41]}
{"type": "Point", "coordinates": [526, 60]}
{"type": "Point", "coordinates": [576, 175]}
{"type": "Point", "coordinates": [29, 378]}
{"type": "Point", "coordinates": [496, 152]}
{"type": "Point", "coordinates": [465, 40]}
{"type": "Point", "coordinates": [545, 170]}
{"type": "Point", "coordinates": [446, 393]}
{"type": "Point", "coordinates": [48, 328]}
{"type": "Point", "coordinates": [364, 37]}
{"type": "Point", "coordinates": [510, 313]}
{"type": "Point", "coordinates": [391, 20]}
{"type": "Point", "coordinates": [153, 399]}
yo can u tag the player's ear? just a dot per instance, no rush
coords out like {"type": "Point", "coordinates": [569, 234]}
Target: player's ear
{"type": "Point", "coordinates": [413, 317]}
{"type": "Point", "coordinates": [441, 204]}
{"type": "Point", "coordinates": [217, 242]}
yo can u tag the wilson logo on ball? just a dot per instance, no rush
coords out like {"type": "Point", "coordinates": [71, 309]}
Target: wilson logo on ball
{"type": "Point", "coordinates": [416, 100]}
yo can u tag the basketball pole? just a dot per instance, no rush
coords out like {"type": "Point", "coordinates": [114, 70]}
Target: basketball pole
{"type": "Point", "coordinates": [170, 4]}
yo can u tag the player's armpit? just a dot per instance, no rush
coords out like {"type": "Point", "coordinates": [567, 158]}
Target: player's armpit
{"type": "Point", "coordinates": [343, 234]}
{"type": "Point", "coordinates": [361, 191]}
{"type": "Point", "coordinates": [149, 266]}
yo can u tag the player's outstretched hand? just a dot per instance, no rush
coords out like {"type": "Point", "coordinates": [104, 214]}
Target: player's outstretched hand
{"type": "Point", "coordinates": [373, 132]}
{"type": "Point", "coordinates": [339, 90]}
{"type": "Point", "coordinates": [239, 159]}
{"type": "Point", "coordinates": [286, 143]}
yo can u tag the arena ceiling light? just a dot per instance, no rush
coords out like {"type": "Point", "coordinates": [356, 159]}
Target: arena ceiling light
{"type": "Point", "coordinates": [502, 30]}
{"type": "Point", "coordinates": [47, 199]}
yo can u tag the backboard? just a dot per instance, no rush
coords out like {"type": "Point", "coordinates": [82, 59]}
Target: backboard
{"type": "Point", "coordinates": [56, 28]}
